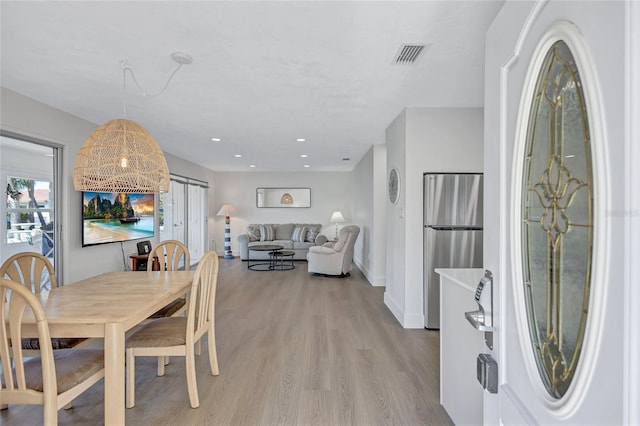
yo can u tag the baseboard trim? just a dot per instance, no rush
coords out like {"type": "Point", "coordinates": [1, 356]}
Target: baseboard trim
{"type": "Point", "coordinates": [375, 281]}
{"type": "Point", "coordinates": [393, 307]}
{"type": "Point", "coordinates": [414, 321]}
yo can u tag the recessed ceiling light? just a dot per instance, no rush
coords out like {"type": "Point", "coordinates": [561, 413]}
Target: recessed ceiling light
{"type": "Point", "coordinates": [303, 155]}
{"type": "Point", "coordinates": [252, 165]}
{"type": "Point", "coordinates": [237, 155]}
{"type": "Point", "coordinates": [306, 165]}
{"type": "Point", "coordinates": [301, 140]}
{"type": "Point", "coordinates": [216, 139]}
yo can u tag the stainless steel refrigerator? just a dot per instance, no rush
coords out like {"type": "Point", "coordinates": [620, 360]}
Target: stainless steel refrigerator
{"type": "Point", "coordinates": [452, 231]}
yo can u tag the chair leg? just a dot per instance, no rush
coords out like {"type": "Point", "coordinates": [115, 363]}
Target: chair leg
{"type": "Point", "coordinates": [131, 378]}
{"type": "Point", "coordinates": [192, 385]}
{"type": "Point", "coordinates": [50, 413]}
{"type": "Point", "coordinates": [213, 353]}
{"type": "Point", "coordinates": [198, 348]}
{"type": "Point", "coordinates": [161, 364]}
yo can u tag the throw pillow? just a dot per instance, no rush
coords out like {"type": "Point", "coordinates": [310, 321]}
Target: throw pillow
{"type": "Point", "coordinates": [282, 231]}
{"type": "Point", "coordinates": [254, 232]}
{"type": "Point", "coordinates": [299, 234]}
{"type": "Point", "coordinates": [312, 233]}
{"type": "Point", "coordinates": [266, 233]}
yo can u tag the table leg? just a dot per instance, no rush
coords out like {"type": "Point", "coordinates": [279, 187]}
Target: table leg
{"type": "Point", "coordinates": [114, 411]}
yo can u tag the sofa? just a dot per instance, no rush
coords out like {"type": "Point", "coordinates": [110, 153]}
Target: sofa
{"type": "Point", "coordinates": [295, 237]}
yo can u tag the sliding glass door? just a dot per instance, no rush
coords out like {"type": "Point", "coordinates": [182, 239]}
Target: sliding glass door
{"type": "Point", "coordinates": [29, 174]}
{"type": "Point", "coordinates": [183, 214]}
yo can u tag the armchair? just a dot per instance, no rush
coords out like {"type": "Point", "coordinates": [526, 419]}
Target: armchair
{"type": "Point", "coordinates": [334, 257]}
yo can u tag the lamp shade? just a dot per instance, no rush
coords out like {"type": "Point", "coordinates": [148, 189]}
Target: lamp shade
{"type": "Point", "coordinates": [121, 156]}
{"type": "Point", "coordinates": [336, 217]}
{"type": "Point", "coordinates": [227, 210]}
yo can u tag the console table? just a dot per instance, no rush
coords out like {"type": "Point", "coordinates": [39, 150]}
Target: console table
{"type": "Point", "coordinates": [139, 262]}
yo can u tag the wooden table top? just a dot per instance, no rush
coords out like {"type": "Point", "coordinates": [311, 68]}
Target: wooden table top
{"type": "Point", "coordinates": [114, 297]}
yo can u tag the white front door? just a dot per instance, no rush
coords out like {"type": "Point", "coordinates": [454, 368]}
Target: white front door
{"type": "Point", "coordinates": [567, 350]}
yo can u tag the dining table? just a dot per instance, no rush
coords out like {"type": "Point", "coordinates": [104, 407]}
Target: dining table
{"type": "Point", "coordinates": [107, 306]}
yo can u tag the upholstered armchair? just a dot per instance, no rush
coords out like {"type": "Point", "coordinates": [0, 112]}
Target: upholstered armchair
{"type": "Point", "coordinates": [334, 257]}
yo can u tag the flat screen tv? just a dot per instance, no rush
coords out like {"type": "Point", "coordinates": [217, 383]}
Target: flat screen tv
{"type": "Point", "coordinates": [115, 217]}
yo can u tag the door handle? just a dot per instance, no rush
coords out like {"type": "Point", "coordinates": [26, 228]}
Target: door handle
{"type": "Point", "coordinates": [476, 319]}
{"type": "Point", "coordinates": [482, 319]}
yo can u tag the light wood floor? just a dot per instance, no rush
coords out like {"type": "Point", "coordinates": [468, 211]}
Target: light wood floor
{"type": "Point", "coordinates": [293, 349]}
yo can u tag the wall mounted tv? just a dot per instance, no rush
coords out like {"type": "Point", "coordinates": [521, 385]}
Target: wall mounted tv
{"type": "Point", "coordinates": [116, 217]}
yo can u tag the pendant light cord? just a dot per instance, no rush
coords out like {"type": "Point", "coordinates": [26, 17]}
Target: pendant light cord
{"type": "Point", "coordinates": [126, 68]}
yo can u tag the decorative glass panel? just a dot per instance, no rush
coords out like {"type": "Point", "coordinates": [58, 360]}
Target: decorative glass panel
{"type": "Point", "coordinates": [557, 222]}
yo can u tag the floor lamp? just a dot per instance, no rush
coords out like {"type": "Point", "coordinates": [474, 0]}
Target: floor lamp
{"type": "Point", "coordinates": [227, 210]}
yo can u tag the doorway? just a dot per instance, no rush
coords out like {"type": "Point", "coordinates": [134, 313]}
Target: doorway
{"type": "Point", "coordinates": [29, 172]}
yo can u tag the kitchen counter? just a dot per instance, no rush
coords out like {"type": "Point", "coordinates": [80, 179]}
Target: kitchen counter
{"type": "Point", "coordinates": [460, 344]}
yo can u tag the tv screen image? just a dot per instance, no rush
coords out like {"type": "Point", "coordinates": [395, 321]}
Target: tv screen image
{"type": "Point", "coordinates": [116, 217]}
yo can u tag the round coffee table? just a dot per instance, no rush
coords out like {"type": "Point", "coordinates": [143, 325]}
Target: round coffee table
{"type": "Point", "coordinates": [262, 266]}
{"type": "Point", "coordinates": [278, 260]}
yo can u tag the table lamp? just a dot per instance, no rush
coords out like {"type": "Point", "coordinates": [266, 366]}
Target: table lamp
{"type": "Point", "coordinates": [336, 217]}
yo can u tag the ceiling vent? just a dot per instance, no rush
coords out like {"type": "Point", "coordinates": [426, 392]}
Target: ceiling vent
{"type": "Point", "coordinates": [408, 54]}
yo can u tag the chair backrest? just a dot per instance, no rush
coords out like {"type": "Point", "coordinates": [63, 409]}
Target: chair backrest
{"type": "Point", "coordinates": [345, 244]}
{"type": "Point", "coordinates": [202, 298]}
{"type": "Point", "coordinates": [30, 269]}
{"type": "Point", "coordinates": [169, 253]}
{"type": "Point", "coordinates": [11, 315]}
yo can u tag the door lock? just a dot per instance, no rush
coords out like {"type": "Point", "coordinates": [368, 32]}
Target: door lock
{"type": "Point", "coordinates": [482, 319]}
{"type": "Point", "coordinates": [487, 370]}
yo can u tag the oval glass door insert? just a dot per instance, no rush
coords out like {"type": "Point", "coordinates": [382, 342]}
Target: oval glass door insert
{"type": "Point", "coordinates": [557, 219]}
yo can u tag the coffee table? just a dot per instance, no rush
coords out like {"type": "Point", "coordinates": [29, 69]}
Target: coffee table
{"type": "Point", "coordinates": [262, 266]}
{"type": "Point", "coordinates": [278, 260]}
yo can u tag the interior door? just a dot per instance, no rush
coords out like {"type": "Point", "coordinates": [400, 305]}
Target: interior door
{"type": "Point", "coordinates": [177, 192]}
{"type": "Point", "coordinates": [196, 222]}
{"type": "Point", "coordinates": [558, 361]}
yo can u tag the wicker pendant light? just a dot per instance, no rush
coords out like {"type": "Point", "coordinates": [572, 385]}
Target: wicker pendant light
{"type": "Point", "coordinates": [121, 156]}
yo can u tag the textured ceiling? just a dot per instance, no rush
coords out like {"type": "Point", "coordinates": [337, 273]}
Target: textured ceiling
{"type": "Point", "coordinates": [263, 73]}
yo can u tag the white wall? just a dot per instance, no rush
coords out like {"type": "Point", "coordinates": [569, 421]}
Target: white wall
{"type": "Point", "coordinates": [30, 118]}
{"type": "Point", "coordinates": [369, 208]}
{"type": "Point", "coordinates": [422, 140]}
{"type": "Point", "coordinates": [330, 191]}
{"type": "Point", "coordinates": [394, 296]}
